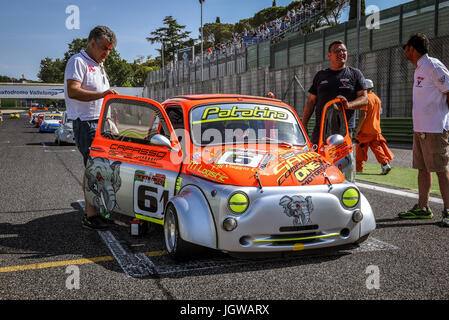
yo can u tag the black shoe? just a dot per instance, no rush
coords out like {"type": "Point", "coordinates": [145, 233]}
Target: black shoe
{"type": "Point", "coordinates": [106, 220]}
{"type": "Point", "coordinates": [445, 220]}
{"type": "Point", "coordinates": [94, 223]}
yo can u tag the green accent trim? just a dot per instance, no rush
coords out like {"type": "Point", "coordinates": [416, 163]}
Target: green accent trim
{"type": "Point", "coordinates": [157, 221]}
{"type": "Point", "coordinates": [298, 239]}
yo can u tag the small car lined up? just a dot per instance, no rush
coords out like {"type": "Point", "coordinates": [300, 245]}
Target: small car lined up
{"type": "Point", "coordinates": [233, 173]}
{"type": "Point", "coordinates": [64, 133]}
{"type": "Point", "coordinates": [50, 122]}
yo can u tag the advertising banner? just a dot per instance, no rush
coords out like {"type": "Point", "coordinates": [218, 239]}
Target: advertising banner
{"type": "Point", "coordinates": [36, 91]}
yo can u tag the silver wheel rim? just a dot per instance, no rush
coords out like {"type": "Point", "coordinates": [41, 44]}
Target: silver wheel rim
{"type": "Point", "coordinates": [170, 230]}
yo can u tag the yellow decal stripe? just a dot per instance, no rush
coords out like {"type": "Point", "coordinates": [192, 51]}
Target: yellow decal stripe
{"type": "Point", "coordinates": [299, 239]}
{"type": "Point", "coordinates": [158, 221]}
{"type": "Point", "coordinates": [239, 118]}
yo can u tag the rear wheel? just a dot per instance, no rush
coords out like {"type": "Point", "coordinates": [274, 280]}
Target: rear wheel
{"type": "Point", "coordinates": [175, 245]}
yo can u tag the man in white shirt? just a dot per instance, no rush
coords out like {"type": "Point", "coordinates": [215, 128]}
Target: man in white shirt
{"type": "Point", "coordinates": [430, 126]}
{"type": "Point", "coordinates": [86, 84]}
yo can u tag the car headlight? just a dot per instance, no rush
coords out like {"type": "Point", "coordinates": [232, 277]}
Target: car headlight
{"type": "Point", "coordinates": [238, 202]}
{"type": "Point", "coordinates": [350, 197]}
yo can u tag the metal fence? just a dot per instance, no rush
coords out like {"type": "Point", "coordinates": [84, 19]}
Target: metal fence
{"type": "Point", "coordinates": [288, 66]}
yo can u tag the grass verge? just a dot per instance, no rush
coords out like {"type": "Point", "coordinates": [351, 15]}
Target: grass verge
{"type": "Point", "coordinates": [405, 178]}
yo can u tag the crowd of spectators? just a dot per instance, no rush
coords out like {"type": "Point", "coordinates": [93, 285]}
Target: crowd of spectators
{"type": "Point", "coordinates": [269, 30]}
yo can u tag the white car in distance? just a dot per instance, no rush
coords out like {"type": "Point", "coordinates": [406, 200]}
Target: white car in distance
{"type": "Point", "coordinates": [64, 134]}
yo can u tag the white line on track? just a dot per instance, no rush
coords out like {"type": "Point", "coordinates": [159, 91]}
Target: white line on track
{"type": "Point", "coordinates": [396, 192]}
{"type": "Point", "coordinates": [56, 151]}
{"type": "Point", "coordinates": [136, 265]}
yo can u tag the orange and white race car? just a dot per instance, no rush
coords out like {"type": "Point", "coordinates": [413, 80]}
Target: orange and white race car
{"type": "Point", "coordinates": [233, 173]}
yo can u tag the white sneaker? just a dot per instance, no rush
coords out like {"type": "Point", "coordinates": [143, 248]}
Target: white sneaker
{"type": "Point", "coordinates": [385, 169]}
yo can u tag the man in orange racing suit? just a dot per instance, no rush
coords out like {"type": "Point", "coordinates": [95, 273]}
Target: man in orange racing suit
{"type": "Point", "coordinates": [369, 134]}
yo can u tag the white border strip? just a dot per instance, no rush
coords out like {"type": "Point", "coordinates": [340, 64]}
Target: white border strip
{"type": "Point", "coordinates": [396, 192]}
{"type": "Point", "coordinates": [136, 265]}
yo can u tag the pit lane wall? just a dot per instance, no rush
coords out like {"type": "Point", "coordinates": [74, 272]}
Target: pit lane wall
{"type": "Point", "coordinates": [286, 67]}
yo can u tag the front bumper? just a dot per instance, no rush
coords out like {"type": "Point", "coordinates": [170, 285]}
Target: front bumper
{"type": "Point", "coordinates": [45, 128]}
{"type": "Point", "coordinates": [268, 226]}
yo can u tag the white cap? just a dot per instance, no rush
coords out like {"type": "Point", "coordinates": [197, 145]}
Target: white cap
{"type": "Point", "coordinates": [369, 84]}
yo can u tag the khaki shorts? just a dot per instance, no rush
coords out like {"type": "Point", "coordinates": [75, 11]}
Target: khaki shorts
{"type": "Point", "coordinates": [431, 151]}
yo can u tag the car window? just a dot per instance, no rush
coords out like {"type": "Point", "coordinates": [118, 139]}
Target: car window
{"type": "Point", "coordinates": [334, 123]}
{"type": "Point", "coordinates": [244, 122]}
{"type": "Point", "coordinates": [133, 121]}
{"type": "Point", "coordinates": [52, 117]}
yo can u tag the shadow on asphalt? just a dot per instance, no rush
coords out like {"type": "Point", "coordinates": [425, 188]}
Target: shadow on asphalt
{"type": "Point", "coordinates": [393, 223]}
{"type": "Point", "coordinates": [61, 235]}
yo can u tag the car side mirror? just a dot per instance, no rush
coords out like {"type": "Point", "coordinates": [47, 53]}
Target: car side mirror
{"type": "Point", "coordinates": [335, 140]}
{"type": "Point", "coordinates": [162, 141]}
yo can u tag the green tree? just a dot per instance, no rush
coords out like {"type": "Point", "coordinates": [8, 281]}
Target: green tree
{"type": "Point", "coordinates": [141, 67]}
{"type": "Point", "coordinates": [7, 79]}
{"type": "Point", "coordinates": [267, 15]}
{"type": "Point", "coordinates": [51, 71]}
{"type": "Point", "coordinates": [75, 47]}
{"type": "Point", "coordinates": [334, 9]}
{"type": "Point", "coordinates": [172, 35]}
{"type": "Point", "coordinates": [218, 32]}
{"type": "Point", "coordinates": [119, 70]}
{"type": "Point", "coordinates": [353, 9]}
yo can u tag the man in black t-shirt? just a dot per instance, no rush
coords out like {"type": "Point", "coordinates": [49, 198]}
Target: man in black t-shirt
{"type": "Point", "coordinates": [338, 81]}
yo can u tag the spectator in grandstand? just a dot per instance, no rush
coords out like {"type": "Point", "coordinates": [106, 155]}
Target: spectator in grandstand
{"type": "Point", "coordinates": [338, 81]}
{"type": "Point", "coordinates": [369, 133]}
{"type": "Point", "coordinates": [430, 126]}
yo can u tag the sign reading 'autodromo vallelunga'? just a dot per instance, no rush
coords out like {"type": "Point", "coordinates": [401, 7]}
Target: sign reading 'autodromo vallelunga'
{"type": "Point", "coordinates": [32, 92]}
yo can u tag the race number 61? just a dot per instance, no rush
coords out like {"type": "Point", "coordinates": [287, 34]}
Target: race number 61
{"type": "Point", "coordinates": [150, 199]}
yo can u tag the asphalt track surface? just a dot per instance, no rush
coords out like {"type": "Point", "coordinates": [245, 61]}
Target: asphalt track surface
{"type": "Point", "coordinates": [42, 242]}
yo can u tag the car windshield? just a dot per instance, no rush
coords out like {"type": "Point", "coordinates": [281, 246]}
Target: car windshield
{"type": "Point", "coordinates": [52, 117]}
{"type": "Point", "coordinates": [244, 123]}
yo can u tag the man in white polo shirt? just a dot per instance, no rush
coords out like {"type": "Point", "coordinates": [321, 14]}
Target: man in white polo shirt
{"type": "Point", "coordinates": [430, 126]}
{"type": "Point", "coordinates": [86, 84]}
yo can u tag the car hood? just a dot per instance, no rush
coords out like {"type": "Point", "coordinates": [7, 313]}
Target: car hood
{"type": "Point", "coordinates": [50, 122]}
{"type": "Point", "coordinates": [255, 166]}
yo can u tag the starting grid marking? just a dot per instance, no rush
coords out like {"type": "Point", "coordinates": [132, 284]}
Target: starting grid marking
{"type": "Point", "coordinates": [56, 151]}
{"type": "Point", "coordinates": [396, 192]}
{"type": "Point", "coordinates": [139, 265]}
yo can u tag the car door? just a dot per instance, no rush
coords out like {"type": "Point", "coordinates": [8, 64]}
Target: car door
{"type": "Point", "coordinates": [130, 172]}
{"type": "Point", "coordinates": [339, 148]}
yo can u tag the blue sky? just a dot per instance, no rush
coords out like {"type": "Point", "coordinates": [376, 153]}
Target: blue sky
{"type": "Point", "coordinates": [32, 30]}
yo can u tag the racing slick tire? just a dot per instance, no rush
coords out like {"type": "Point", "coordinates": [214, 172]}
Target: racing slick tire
{"type": "Point", "coordinates": [177, 248]}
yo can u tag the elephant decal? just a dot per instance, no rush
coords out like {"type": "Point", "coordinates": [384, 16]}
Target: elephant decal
{"type": "Point", "coordinates": [298, 207]}
{"type": "Point", "coordinates": [103, 179]}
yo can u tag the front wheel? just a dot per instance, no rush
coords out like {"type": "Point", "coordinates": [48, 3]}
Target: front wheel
{"type": "Point", "coordinates": [175, 245]}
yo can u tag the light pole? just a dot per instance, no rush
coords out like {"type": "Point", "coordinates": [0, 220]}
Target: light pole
{"type": "Point", "coordinates": [359, 17]}
{"type": "Point", "coordinates": [201, 3]}
{"type": "Point", "coordinates": [163, 67]}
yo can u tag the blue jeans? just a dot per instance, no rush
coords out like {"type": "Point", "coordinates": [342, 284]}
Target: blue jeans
{"type": "Point", "coordinates": [84, 132]}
